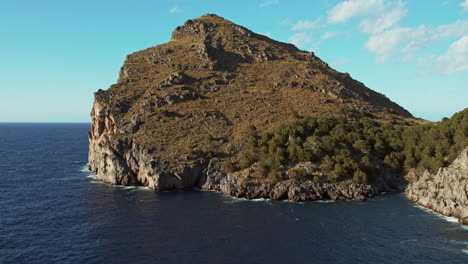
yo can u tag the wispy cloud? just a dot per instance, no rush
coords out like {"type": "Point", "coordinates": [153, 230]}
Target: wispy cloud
{"type": "Point", "coordinates": [346, 10]}
{"type": "Point", "coordinates": [176, 10]}
{"type": "Point", "coordinates": [464, 5]}
{"type": "Point", "coordinates": [383, 20]}
{"type": "Point", "coordinates": [406, 41]}
{"type": "Point", "coordinates": [380, 21]}
{"type": "Point", "coordinates": [386, 44]}
{"type": "Point", "coordinates": [378, 14]}
{"type": "Point", "coordinates": [328, 34]}
{"type": "Point", "coordinates": [300, 39]}
{"type": "Point", "coordinates": [387, 40]}
{"type": "Point", "coordinates": [269, 3]}
{"type": "Point", "coordinates": [453, 61]}
{"type": "Point", "coordinates": [306, 24]}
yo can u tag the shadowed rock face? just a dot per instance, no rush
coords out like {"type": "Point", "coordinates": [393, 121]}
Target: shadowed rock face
{"type": "Point", "coordinates": [177, 102]}
{"type": "Point", "coordinates": [445, 192]}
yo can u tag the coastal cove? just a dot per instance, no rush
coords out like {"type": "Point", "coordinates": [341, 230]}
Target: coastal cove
{"type": "Point", "coordinates": [53, 210]}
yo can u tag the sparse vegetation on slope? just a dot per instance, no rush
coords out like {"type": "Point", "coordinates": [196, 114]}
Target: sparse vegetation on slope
{"type": "Point", "coordinates": [334, 149]}
{"type": "Point", "coordinates": [200, 92]}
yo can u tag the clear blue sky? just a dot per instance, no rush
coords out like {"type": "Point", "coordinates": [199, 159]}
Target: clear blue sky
{"type": "Point", "coordinates": [55, 54]}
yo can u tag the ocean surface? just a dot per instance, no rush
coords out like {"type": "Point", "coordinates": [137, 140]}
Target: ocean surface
{"type": "Point", "coordinates": [53, 211]}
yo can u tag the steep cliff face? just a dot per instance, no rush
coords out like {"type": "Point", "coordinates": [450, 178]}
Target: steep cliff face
{"type": "Point", "coordinates": [178, 104]}
{"type": "Point", "coordinates": [118, 160]}
{"type": "Point", "coordinates": [445, 192]}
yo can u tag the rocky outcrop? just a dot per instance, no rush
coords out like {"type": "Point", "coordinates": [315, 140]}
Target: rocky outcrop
{"type": "Point", "coordinates": [213, 178]}
{"type": "Point", "coordinates": [445, 192]}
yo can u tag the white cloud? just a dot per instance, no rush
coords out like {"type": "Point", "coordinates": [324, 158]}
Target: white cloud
{"type": "Point", "coordinates": [379, 14]}
{"type": "Point", "coordinates": [464, 5]}
{"type": "Point", "coordinates": [300, 39]}
{"type": "Point", "coordinates": [455, 59]}
{"type": "Point", "coordinates": [346, 10]}
{"type": "Point", "coordinates": [328, 34]}
{"type": "Point", "coordinates": [382, 21]}
{"type": "Point", "coordinates": [379, 20]}
{"type": "Point", "coordinates": [269, 3]}
{"type": "Point", "coordinates": [408, 41]}
{"type": "Point", "coordinates": [456, 29]}
{"type": "Point", "coordinates": [306, 25]}
{"type": "Point", "coordinates": [176, 10]}
{"type": "Point", "coordinates": [386, 44]}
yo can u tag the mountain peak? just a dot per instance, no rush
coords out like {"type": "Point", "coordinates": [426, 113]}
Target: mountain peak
{"type": "Point", "coordinates": [207, 25]}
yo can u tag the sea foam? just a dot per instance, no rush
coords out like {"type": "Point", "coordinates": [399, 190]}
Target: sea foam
{"type": "Point", "coordinates": [446, 218]}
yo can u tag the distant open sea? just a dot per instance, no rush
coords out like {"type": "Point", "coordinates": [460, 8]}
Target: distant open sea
{"type": "Point", "coordinates": [53, 211]}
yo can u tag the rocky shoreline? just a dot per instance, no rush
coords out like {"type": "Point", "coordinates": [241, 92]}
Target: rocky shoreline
{"type": "Point", "coordinates": [122, 162]}
{"type": "Point", "coordinates": [233, 185]}
{"type": "Point", "coordinates": [445, 192]}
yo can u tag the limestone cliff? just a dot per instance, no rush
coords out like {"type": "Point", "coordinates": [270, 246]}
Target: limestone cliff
{"type": "Point", "coordinates": [445, 192]}
{"type": "Point", "coordinates": [118, 160]}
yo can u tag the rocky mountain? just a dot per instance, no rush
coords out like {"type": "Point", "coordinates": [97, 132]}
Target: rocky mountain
{"type": "Point", "coordinates": [180, 106]}
{"type": "Point", "coordinates": [446, 191]}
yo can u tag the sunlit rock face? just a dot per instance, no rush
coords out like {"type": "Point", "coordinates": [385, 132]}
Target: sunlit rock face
{"type": "Point", "coordinates": [446, 191]}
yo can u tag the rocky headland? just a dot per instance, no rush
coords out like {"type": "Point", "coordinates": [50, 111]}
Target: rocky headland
{"type": "Point", "coordinates": [187, 114]}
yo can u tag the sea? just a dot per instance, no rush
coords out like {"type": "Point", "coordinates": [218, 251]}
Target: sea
{"type": "Point", "coordinates": [53, 210]}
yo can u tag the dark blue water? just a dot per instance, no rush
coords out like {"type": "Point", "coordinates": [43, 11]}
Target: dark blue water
{"type": "Point", "coordinates": [52, 212]}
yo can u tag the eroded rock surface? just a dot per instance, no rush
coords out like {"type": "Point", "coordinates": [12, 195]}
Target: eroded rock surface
{"type": "Point", "coordinates": [213, 178]}
{"type": "Point", "coordinates": [446, 191]}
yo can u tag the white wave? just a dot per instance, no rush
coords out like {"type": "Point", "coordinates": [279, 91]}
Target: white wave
{"type": "Point", "coordinates": [97, 181]}
{"type": "Point", "coordinates": [237, 200]}
{"type": "Point", "coordinates": [449, 218]}
{"type": "Point", "coordinates": [325, 201]}
{"type": "Point", "coordinates": [260, 200]}
{"type": "Point", "coordinates": [136, 188]}
{"type": "Point", "coordinates": [92, 176]}
{"type": "Point", "coordinates": [458, 242]}
{"type": "Point", "coordinates": [465, 251]}
{"type": "Point", "coordinates": [84, 168]}
{"type": "Point", "coordinates": [446, 218]}
{"type": "Point", "coordinates": [291, 202]}
{"type": "Point", "coordinates": [88, 173]}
